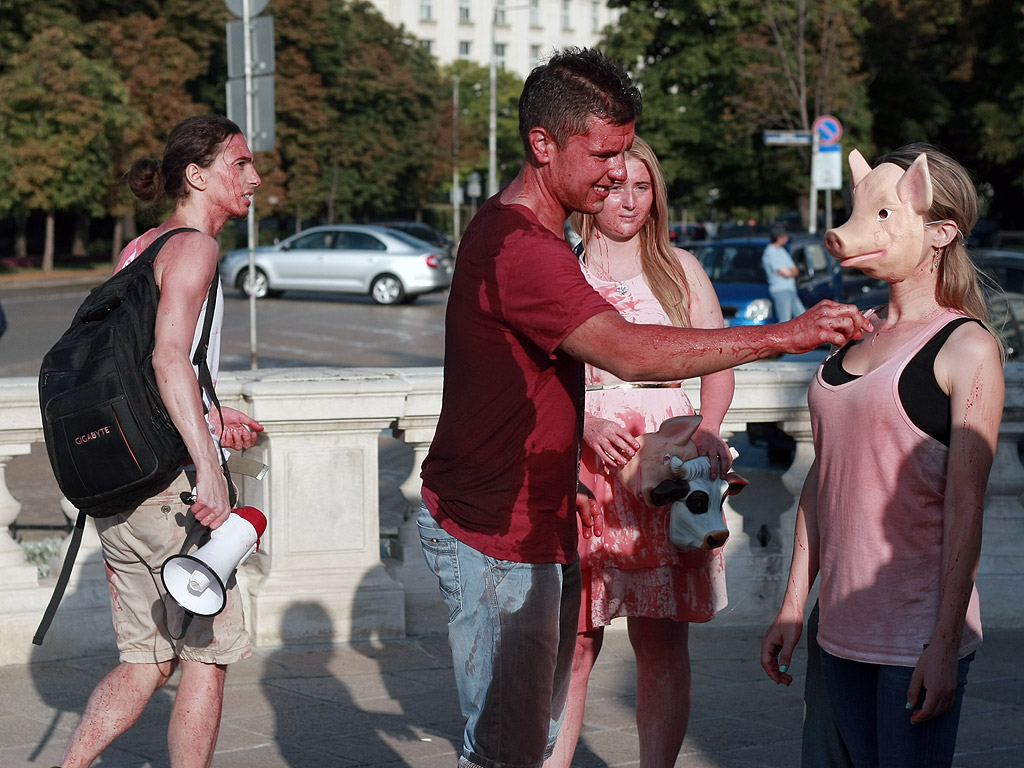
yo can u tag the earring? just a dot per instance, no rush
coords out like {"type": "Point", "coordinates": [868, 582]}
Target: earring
{"type": "Point", "coordinates": [935, 257]}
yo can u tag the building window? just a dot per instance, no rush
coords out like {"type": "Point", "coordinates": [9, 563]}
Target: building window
{"type": "Point", "coordinates": [535, 13]}
{"type": "Point", "coordinates": [426, 10]}
{"type": "Point", "coordinates": [499, 13]}
{"type": "Point", "coordinates": [464, 49]}
{"type": "Point", "coordinates": [464, 16]}
{"type": "Point", "coordinates": [595, 17]}
{"type": "Point", "coordinates": [499, 55]}
{"type": "Point", "coordinates": [535, 54]}
{"type": "Point", "coordinates": [427, 45]}
{"type": "Point", "coordinates": [567, 15]}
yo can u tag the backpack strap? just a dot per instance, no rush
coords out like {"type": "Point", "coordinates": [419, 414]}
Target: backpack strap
{"type": "Point", "coordinates": [206, 376]}
{"type": "Point", "coordinates": [62, 580]}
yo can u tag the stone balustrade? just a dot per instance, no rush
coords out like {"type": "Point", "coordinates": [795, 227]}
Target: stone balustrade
{"type": "Point", "coordinates": [322, 547]}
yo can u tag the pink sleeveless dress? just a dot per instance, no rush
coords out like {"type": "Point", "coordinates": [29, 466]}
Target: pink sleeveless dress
{"type": "Point", "coordinates": [632, 569]}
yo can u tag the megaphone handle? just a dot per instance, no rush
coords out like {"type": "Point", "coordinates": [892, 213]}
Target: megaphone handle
{"type": "Point", "coordinates": [188, 498]}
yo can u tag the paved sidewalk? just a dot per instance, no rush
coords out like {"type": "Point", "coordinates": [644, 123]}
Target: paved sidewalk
{"type": "Point", "coordinates": [394, 704]}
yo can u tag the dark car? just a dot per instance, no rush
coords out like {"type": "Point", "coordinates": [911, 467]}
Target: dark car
{"type": "Point", "coordinates": [734, 266]}
{"type": "Point", "coordinates": [422, 231]}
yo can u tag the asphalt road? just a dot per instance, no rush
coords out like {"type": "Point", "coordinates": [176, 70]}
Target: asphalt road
{"type": "Point", "coordinates": [298, 329]}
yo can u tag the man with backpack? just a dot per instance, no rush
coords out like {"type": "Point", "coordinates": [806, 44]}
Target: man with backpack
{"type": "Point", "coordinates": [207, 170]}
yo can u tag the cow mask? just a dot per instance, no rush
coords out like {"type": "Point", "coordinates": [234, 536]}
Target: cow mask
{"type": "Point", "coordinates": [667, 470]}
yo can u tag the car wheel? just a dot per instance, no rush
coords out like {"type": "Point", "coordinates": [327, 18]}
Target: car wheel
{"type": "Point", "coordinates": [262, 284]}
{"type": "Point", "coordinates": [387, 289]}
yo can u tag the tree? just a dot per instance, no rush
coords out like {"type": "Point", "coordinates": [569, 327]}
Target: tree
{"type": "Point", "coordinates": [997, 88]}
{"type": "Point", "coordinates": [474, 118]}
{"type": "Point", "coordinates": [62, 116]}
{"type": "Point", "coordinates": [714, 75]}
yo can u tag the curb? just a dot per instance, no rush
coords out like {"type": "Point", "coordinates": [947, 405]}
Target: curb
{"type": "Point", "coordinates": [55, 279]}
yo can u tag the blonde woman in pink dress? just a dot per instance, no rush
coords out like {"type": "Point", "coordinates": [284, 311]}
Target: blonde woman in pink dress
{"type": "Point", "coordinates": [631, 569]}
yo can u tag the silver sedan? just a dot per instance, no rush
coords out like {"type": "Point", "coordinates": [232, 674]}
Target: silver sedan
{"type": "Point", "coordinates": [389, 266]}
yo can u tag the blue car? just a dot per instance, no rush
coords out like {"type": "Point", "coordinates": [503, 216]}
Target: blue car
{"type": "Point", "coordinates": [734, 266]}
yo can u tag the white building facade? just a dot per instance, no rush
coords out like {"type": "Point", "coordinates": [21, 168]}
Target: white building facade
{"type": "Point", "coordinates": [525, 32]}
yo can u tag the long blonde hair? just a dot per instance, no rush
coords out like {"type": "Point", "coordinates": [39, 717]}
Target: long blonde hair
{"type": "Point", "coordinates": [661, 268]}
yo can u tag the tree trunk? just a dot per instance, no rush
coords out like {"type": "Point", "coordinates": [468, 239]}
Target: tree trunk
{"type": "Point", "coordinates": [115, 247]}
{"type": "Point", "coordinates": [21, 236]}
{"type": "Point", "coordinates": [48, 244]}
{"type": "Point", "coordinates": [80, 238]}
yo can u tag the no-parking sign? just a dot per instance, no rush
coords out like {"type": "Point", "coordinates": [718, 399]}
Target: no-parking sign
{"type": "Point", "coordinates": [829, 130]}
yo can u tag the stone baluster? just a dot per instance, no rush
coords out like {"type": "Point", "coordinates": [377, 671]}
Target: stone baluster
{"type": "Point", "coordinates": [322, 545]}
{"type": "Point", "coordinates": [12, 558]}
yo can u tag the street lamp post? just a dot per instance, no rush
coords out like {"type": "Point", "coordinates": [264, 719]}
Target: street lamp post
{"type": "Point", "coordinates": [492, 121]}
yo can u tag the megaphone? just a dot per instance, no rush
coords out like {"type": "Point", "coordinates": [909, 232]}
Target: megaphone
{"type": "Point", "coordinates": [198, 582]}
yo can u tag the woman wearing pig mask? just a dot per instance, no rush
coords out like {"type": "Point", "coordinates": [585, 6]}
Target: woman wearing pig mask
{"type": "Point", "coordinates": [631, 569]}
{"type": "Point", "coordinates": [905, 422]}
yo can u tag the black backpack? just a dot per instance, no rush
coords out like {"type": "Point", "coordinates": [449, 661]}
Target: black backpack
{"type": "Point", "coordinates": [110, 440]}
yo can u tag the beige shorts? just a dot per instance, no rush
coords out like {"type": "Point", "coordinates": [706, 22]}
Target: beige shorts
{"type": "Point", "coordinates": [146, 619]}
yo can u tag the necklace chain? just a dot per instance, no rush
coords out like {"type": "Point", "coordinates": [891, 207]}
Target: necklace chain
{"type": "Point", "coordinates": [602, 266]}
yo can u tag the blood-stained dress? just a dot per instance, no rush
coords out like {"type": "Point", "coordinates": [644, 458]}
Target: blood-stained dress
{"type": "Point", "coordinates": [632, 569]}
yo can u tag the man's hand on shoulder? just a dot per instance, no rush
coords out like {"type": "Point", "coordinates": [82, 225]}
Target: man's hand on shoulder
{"type": "Point", "coordinates": [827, 322]}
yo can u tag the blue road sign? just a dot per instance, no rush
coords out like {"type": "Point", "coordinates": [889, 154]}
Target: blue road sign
{"type": "Point", "coordinates": [829, 129]}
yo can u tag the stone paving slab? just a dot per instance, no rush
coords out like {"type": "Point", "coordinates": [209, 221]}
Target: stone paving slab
{"type": "Point", "coordinates": [393, 703]}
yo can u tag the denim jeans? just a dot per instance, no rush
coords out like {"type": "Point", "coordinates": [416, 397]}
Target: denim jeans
{"type": "Point", "coordinates": [822, 746]}
{"type": "Point", "coordinates": [787, 304]}
{"type": "Point", "coordinates": [869, 703]}
{"type": "Point", "coordinates": [512, 631]}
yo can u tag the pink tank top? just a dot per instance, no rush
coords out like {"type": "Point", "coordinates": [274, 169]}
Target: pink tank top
{"type": "Point", "coordinates": [880, 508]}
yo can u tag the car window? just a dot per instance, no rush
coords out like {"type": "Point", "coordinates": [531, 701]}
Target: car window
{"type": "Point", "coordinates": [733, 263]}
{"type": "Point", "coordinates": [1005, 314]}
{"type": "Point", "coordinates": [817, 257]}
{"type": "Point", "coordinates": [1009, 276]}
{"type": "Point", "coordinates": [412, 240]}
{"type": "Point", "coordinates": [359, 241]}
{"type": "Point", "coordinates": [320, 240]}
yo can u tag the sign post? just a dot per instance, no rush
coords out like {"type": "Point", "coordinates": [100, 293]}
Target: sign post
{"type": "Point", "coordinates": [826, 163]}
{"type": "Point", "coordinates": [250, 103]}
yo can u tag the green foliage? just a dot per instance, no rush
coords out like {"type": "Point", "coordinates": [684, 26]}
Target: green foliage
{"type": "Point", "coordinates": [364, 114]}
{"type": "Point", "coordinates": [474, 118]}
{"type": "Point", "coordinates": [715, 75]}
{"type": "Point", "coordinates": [61, 117]}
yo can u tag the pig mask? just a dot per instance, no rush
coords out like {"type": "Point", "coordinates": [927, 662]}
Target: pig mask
{"type": "Point", "coordinates": [667, 470]}
{"type": "Point", "coordinates": [885, 236]}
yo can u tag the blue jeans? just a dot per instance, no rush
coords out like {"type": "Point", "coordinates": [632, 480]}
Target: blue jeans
{"type": "Point", "coordinates": [822, 745]}
{"type": "Point", "coordinates": [787, 304]}
{"type": "Point", "coordinates": [512, 631]}
{"type": "Point", "coordinates": [869, 703]}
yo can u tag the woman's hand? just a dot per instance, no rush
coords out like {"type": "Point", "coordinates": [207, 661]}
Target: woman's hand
{"type": "Point", "coordinates": [612, 442]}
{"type": "Point", "coordinates": [777, 647]}
{"type": "Point", "coordinates": [936, 674]}
{"type": "Point", "coordinates": [711, 445]}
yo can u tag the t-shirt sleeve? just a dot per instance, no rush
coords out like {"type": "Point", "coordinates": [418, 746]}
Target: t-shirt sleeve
{"type": "Point", "coordinates": [544, 294]}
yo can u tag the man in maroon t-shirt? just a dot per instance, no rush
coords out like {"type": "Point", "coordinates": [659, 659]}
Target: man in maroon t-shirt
{"type": "Point", "coordinates": [499, 482]}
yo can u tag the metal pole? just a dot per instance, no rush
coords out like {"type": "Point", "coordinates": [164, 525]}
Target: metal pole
{"type": "Point", "coordinates": [492, 124]}
{"type": "Point", "coordinates": [250, 114]}
{"type": "Point", "coordinates": [456, 185]}
{"type": "Point", "coordinates": [812, 216]}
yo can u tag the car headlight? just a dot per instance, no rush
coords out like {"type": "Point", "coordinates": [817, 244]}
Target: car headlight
{"type": "Point", "coordinates": [757, 311]}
